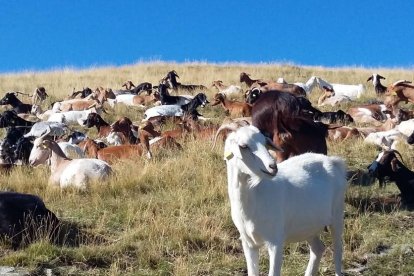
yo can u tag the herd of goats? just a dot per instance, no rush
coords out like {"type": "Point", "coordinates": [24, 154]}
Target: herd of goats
{"type": "Point", "coordinates": [274, 135]}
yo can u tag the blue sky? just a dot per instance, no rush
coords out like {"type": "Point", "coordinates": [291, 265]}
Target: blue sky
{"type": "Point", "coordinates": [41, 35]}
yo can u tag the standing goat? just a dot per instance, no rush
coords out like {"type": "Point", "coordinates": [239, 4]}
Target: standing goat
{"type": "Point", "coordinates": [289, 202]}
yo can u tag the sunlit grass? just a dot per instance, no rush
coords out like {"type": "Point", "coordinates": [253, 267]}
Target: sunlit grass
{"type": "Point", "coordinates": [170, 215]}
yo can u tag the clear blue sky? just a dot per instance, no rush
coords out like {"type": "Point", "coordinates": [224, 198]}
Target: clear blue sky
{"type": "Point", "coordinates": [40, 35]}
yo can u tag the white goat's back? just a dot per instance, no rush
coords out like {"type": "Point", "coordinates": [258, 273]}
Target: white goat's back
{"type": "Point", "coordinates": [163, 110]}
{"type": "Point", "coordinates": [80, 172]}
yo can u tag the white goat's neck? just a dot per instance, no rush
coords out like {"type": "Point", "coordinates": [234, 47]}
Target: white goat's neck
{"type": "Point", "coordinates": [310, 84]}
{"type": "Point", "coordinates": [58, 159]}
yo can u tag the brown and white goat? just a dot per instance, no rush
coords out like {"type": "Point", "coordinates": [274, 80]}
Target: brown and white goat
{"type": "Point", "coordinates": [400, 91]}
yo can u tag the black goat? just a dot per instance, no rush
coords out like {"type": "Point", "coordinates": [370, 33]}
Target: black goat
{"type": "Point", "coordinates": [22, 150]}
{"type": "Point", "coordinates": [379, 88]}
{"type": "Point", "coordinates": [142, 87]}
{"type": "Point", "coordinates": [190, 109]}
{"type": "Point", "coordinates": [19, 107]}
{"type": "Point", "coordinates": [387, 165]}
{"type": "Point", "coordinates": [9, 144]}
{"type": "Point", "coordinates": [10, 119]}
{"type": "Point", "coordinates": [410, 139]}
{"type": "Point", "coordinates": [24, 217]}
{"type": "Point", "coordinates": [171, 80]}
{"type": "Point", "coordinates": [166, 99]}
{"type": "Point", "coordinates": [333, 117]}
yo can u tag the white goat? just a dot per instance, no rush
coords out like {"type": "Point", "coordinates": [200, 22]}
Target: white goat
{"type": "Point", "coordinates": [67, 172]}
{"type": "Point", "coordinates": [39, 128]}
{"type": "Point", "coordinates": [406, 127]}
{"type": "Point", "coordinates": [305, 195]}
{"type": "Point", "coordinates": [384, 138]}
{"type": "Point", "coordinates": [350, 90]}
{"type": "Point", "coordinates": [308, 86]}
{"type": "Point", "coordinates": [228, 90]}
{"type": "Point", "coordinates": [72, 117]}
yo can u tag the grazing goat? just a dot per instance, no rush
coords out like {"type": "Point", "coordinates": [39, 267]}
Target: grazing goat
{"type": "Point", "coordinates": [387, 164]}
{"type": "Point", "coordinates": [333, 117]}
{"type": "Point", "coordinates": [280, 116]}
{"type": "Point", "coordinates": [229, 91]}
{"type": "Point", "coordinates": [376, 81]}
{"type": "Point", "coordinates": [352, 91]}
{"type": "Point", "coordinates": [176, 110]}
{"type": "Point", "coordinates": [22, 218]}
{"type": "Point", "coordinates": [67, 172]}
{"type": "Point", "coordinates": [18, 106]}
{"type": "Point", "coordinates": [233, 108]}
{"type": "Point", "coordinates": [136, 90]}
{"type": "Point", "coordinates": [289, 202]}
{"type": "Point", "coordinates": [171, 79]}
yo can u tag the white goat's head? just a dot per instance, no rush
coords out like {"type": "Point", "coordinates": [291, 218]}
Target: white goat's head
{"type": "Point", "coordinates": [247, 147]}
{"type": "Point", "coordinates": [40, 152]}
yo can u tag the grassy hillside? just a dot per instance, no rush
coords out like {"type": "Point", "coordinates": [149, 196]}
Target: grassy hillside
{"type": "Point", "coordinates": [171, 215]}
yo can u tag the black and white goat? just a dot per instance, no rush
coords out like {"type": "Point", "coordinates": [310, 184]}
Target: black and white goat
{"type": "Point", "coordinates": [171, 80]}
{"type": "Point", "coordinates": [376, 81]}
{"type": "Point", "coordinates": [167, 99]}
{"type": "Point", "coordinates": [333, 117]}
{"type": "Point", "coordinates": [178, 110]}
{"type": "Point", "coordinates": [387, 165]}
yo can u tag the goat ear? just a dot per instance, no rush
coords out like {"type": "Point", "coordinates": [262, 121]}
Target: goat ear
{"type": "Point", "coordinates": [394, 165]}
{"type": "Point", "coordinates": [370, 78]}
{"type": "Point", "coordinates": [271, 146]}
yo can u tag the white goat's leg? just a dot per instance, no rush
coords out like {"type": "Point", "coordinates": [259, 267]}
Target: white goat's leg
{"type": "Point", "coordinates": [336, 230]}
{"type": "Point", "coordinates": [316, 250]}
{"type": "Point", "coordinates": [275, 258]}
{"type": "Point", "coordinates": [252, 259]}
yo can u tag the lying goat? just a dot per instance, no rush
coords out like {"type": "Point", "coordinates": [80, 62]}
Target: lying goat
{"type": "Point", "coordinates": [387, 164]}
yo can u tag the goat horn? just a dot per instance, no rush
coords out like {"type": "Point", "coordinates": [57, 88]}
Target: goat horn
{"type": "Point", "coordinates": [400, 82]}
{"type": "Point", "coordinates": [397, 152]}
{"type": "Point", "coordinates": [47, 131]}
{"type": "Point", "coordinates": [92, 105]}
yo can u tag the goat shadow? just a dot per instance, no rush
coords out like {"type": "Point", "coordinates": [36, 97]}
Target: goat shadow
{"type": "Point", "coordinates": [379, 205]}
{"type": "Point", "coordinates": [66, 233]}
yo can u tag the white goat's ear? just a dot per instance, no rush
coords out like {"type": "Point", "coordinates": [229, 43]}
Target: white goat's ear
{"type": "Point", "coordinates": [271, 146]}
{"type": "Point", "coordinates": [231, 151]}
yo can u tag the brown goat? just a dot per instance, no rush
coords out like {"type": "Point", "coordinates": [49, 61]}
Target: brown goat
{"type": "Point", "coordinates": [95, 119]}
{"type": "Point", "coordinates": [278, 115]}
{"type": "Point", "coordinates": [234, 108]}
{"type": "Point", "coordinates": [343, 133]}
{"type": "Point", "coordinates": [399, 91]}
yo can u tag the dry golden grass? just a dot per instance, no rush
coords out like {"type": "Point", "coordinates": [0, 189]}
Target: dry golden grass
{"type": "Point", "coordinates": [170, 215]}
